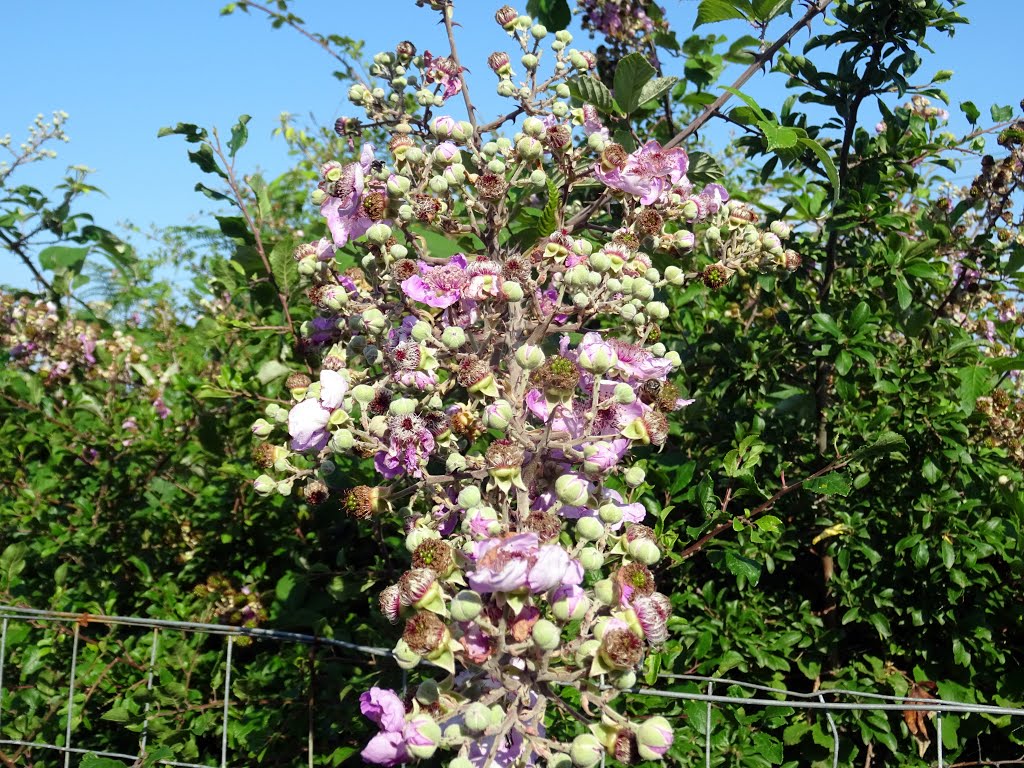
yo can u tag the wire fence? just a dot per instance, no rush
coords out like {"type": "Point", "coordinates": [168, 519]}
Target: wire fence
{"type": "Point", "coordinates": [828, 700]}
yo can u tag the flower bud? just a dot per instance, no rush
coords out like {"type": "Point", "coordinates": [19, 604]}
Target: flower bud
{"type": "Point", "coordinates": [264, 485]}
{"type": "Point", "coordinates": [530, 357]}
{"type": "Point", "coordinates": [622, 679]}
{"type": "Point", "coordinates": [421, 735]}
{"type": "Point", "coordinates": [506, 88]}
{"type": "Point", "coordinates": [604, 591]}
{"type": "Point", "coordinates": [657, 310]}
{"type": "Point", "coordinates": [610, 513]}
{"type": "Point", "coordinates": [477, 717]}
{"type": "Point", "coordinates": [569, 603]}
{"type": "Point", "coordinates": [634, 477]}
{"type": "Point", "coordinates": [529, 61]}
{"type": "Point", "coordinates": [498, 415]}
{"type": "Point", "coordinates": [374, 321]}
{"type": "Point", "coordinates": [586, 751]}
{"type": "Point", "coordinates": [644, 550]}
{"type": "Point", "coordinates": [598, 358]}
{"type": "Point", "coordinates": [402, 406]}
{"type": "Point", "coordinates": [529, 148]}
{"type": "Point", "coordinates": [539, 31]}
{"type": "Point", "coordinates": [466, 605]}
{"type": "Point", "coordinates": [591, 559]}
{"type": "Point", "coordinates": [262, 428]}
{"type": "Point", "coordinates": [512, 290]}
{"type": "Point", "coordinates": [624, 394]}
{"type": "Point", "coordinates": [780, 229]}
{"type": "Point", "coordinates": [341, 441]}
{"type": "Point", "coordinates": [572, 490]}
{"type": "Point", "coordinates": [589, 528]}
{"type": "Point", "coordinates": [654, 738]}
{"type": "Point", "coordinates": [546, 635]}
{"type": "Point", "coordinates": [506, 16]}
{"type": "Point", "coordinates": [378, 233]}
{"type": "Point", "coordinates": [453, 337]}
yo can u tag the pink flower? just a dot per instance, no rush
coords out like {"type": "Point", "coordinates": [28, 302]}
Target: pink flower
{"type": "Point", "coordinates": [443, 70]}
{"type": "Point", "coordinates": [343, 205]}
{"type": "Point", "coordinates": [439, 286]}
{"type": "Point", "coordinates": [307, 421]}
{"type": "Point", "coordinates": [517, 562]}
{"type": "Point", "coordinates": [649, 173]}
{"type": "Point", "coordinates": [384, 708]}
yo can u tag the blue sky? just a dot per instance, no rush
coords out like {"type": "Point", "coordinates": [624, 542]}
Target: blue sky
{"type": "Point", "coordinates": [124, 68]}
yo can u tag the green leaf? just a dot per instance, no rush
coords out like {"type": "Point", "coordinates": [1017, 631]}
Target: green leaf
{"type": "Point", "coordinates": [204, 158]}
{"type": "Point", "coordinates": [975, 381]}
{"type": "Point", "coordinates": [63, 258]}
{"type": "Point", "coordinates": [766, 10]}
{"type": "Point", "coordinates": [748, 101]}
{"type": "Point", "coordinates": [710, 11]}
{"type": "Point", "coordinates": [704, 169]}
{"type": "Point", "coordinates": [656, 88]}
{"type": "Point", "coordinates": [92, 761]}
{"type": "Point", "coordinates": [239, 135]}
{"type": "Point", "coordinates": [553, 14]}
{"type": "Point", "coordinates": [631, 75]}
{"type": "Point", "coordinates": [1001, 114]}
{"type": "Point", "coordinates": [887, 442]}
{"type": "Point", "coordinates": [272, 370]}
{"type": "Point", "coordinates": [904, 296]}
{"type": "Point", "coordinates": [213, 194]}
{"type": "Point", "coordinates": [971, 112]}
{"type": "Point", "coordinates": [832, 484]}
{"type": "Point", "coordinates": [192, 133]}
{"type": "Point", "coordinates": [282, 264]}
{"type": "Point", "coordinates": [769, 523]}
{"type": "Point", "coordinates": [591, 91]}
{"type": "Point", "coordinates": [549, 216]}
{"type": "Point", "coordinates": [743, 566]}
{"type": "Point", "coordinates": [826, 162]}
{"type": "Point", "coordinates": [778, 137]}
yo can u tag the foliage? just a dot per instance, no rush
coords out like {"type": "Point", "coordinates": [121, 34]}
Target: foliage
{"type": "Point", "coordinates": [898, 572]}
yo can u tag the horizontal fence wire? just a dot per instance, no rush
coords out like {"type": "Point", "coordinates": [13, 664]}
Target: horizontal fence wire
{"type": "Point", "coordinates": [828, 700]}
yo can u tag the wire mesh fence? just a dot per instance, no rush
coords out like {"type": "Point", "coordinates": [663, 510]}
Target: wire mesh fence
{"type": "Point", "coordinates": [62, 665]}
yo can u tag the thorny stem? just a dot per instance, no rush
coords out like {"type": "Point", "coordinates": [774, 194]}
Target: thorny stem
{"type": "Point", "coordinates": [760, 60]}
{"type": "Point", "coordinates": [446, 13]}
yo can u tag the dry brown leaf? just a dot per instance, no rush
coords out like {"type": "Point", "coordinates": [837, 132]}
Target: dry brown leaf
{"type": "Point", "coordinates": [916, 719]}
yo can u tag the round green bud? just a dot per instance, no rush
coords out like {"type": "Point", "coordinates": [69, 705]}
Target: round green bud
{"type": "Point", "coordinates": [572, 490]}
{"type": "Point", "coordinates": [563, 36]}
{"type": "Point", "coordinates": [362, 393]}
{"type": "Point", "coordinates": [600, 261]}
{"type": "Point", "coordinates": [529, 148]}
{"type": "Point", "coordinates": [586, 751]}
{"type": "Point", "coordinates": [496, 166]}
{"type": "Point", "coordinates": [506, 89]}
{"type": "Point", "coordinates": [657, 310]}
{"type": "Point", "coordinates": [657, 349]}
{"type": "Point", "coordinates": [427, 692]}
{"type": "Point", "coordinates": [622, 679]}
{"type": "Point", "coordinates": [371, 354]}
{"type": "Point", "coordinates": [589, 529]}
{"type": "Point", "coordinates": [674, 275]}
{"type": "Point", "coordinates": [624, 394]}
{"type": "Point", "coordinates": [591, 558]}
{"type": "Point", "coordinates": [466, 605]}
{"type": "Point", "coordinates": [644, 551]}
{"type": "Point", "coordinates": [533, 126]}
{"type": "Point", "coordinates": [562, 91]}
{"type": "Point", "coordinates": [560, 109]}
{"type": "Point", "coordinates": [342, 441]}
{"type": "Point", "coordinates": [453, 337]}
{"type": "Point", "coordinates": [627, 312]}
{"type": "Point", "coordinates": [402, 406]}
{"type": "Point", "coordinates": [604, 591]}
{"type": "Point", "coordinates": [420, 331]}
{"type": "Point", "coordinates": [469, 496]}
{"type": "Point", "coordinates": [546, 635]}
{"type": "Point", "coordinates": [429, 736]}
{"type": "Point", "coordinates": [512, 290]}
{"type": "Point", "coordinates": [610, 513]}
{"type": "Point", "coordinates": [477, 717]}
{"type": "Point", "coordinates": [539, 31]}
{"type": "Point", "coordinates": [673, 357]}
{"type": "Point", "coordinates": [634, 477]}
{"type": "Point", "coordinates": [529, 61]}
{"type": "Point", "coordinates": [264, 485]}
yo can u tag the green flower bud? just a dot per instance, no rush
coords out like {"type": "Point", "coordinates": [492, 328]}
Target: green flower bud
{"type": "Point", "coordinates": [530, 357]}
{"type": "Point", "coordinates": [623, 679]}
{"type": "Point", "coordinates": [427, 692]}
{"type": "Point", "coordinates": [580, 300]}
{"type": "Point", "coordinates": [374, 321]}
{"type": "Point", "coordinates": [589, 529]}
{"type": "Point", "coordinates": [533, 126]}
{"type": "Point", "coordinates": [429, 731]}
{"type": "Point", "coordinates": [498, 415]}
{"type": "Point", "coordinates": [362, 393]}
{"type": "Point", "coordinates": [562, 91]}
{"type": "Point", "coordinates": [402, 406]}
{"type": "Point", "coordinates": [653, 738]}
{"type": "Point", "coordinates": [674, 275]}
{"type": "Point", "coordinates": [284, 488]}
{"type": "Point", "coordinates": [371, 354]}
{"type": "Point", "coordinates": [417, 536]}
{"type": "Point", "coordinates": [644, 550]}
{"type": "Point", "coordinates": [600, 261]}
{"type": "Point", "coordinates": [610, 513]}
{"type": "Point", "coordinates": [538, 31]}
{"type": "Point", "coordinates": [598, 359]}
{"type": "Point", "coordinates": [398, 185]}
{"type": "Point", "coordinates": [341, 441]}
{"type": "Point", "coordinates": [262, 428]}
{"type": "Point", "coordinates": [563, 36]}
{"type": "Point", "coordinates": [591, 558]}
{"type": "Point", "coordinates": [627, 312]}
{"type": "Point", "coordinates": [604, 591]}
{"type": "Point", "coordinates": [512, 290]}
{"type": "Point", "coordinates": [496, 166]}
{"type": "Point", "coordinates": [420, 331]}
{"type": "Point", "coordinates": [453, 337]}
{"type": "Point", "coordinates": [624, 394]}
{"type": "Point", "coordinates": [673, 357]}
{"type": "Point", "coordinates": [378, 233]}
{"type": "Point", "coordinates": [529, 61]}
{"type": "Point", "coordinates": [529, 148]}
{"type": "Point", "coordinates": [466, 605]}
{"type": "Point", "coordinates": [634, 477]}
{"type": "Point", "coordinates": [657, 310]}
{"type": "Point", "coordinates": [438, 185]}
{"type": "Point", "coordinates": [539, 177]}
{"type": "Point", "coordinates": [477, 717]}
{"type": "Point", "coordinates": [546, 635]}
{"type": "Point", "coordinates": [264, 485]}
{"type": "Point", "coordinates": [505, 88]}
{"type": "Point", "coordinates": [469, 497]}
{"type": "Point", "coordinates": [572, 490]}
{"type": "Point", "coordinates": [560, 109]}
{"type": "Point", "coordinates": [586, 751]}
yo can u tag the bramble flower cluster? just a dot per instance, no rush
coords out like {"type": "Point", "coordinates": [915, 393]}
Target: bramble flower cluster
{"type": "Point", "coordinates": [56, 348]}
{"type": "Point", "coordinates": [489, 315]}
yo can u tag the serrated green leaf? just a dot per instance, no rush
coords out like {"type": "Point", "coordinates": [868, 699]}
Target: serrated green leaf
{"type": "Point", "coordinates": [239, 135]}
{"type": "Point", "coordinates": [975, 381]}
{"type": "Point", "coordinates": [704, 169]}
{"type": "Point", "coordinates": [887, 442]}
{"type": "Point", "coordinates": [832, 484]}
{"type": "Point", "coordinates": [710, 11]}
{"type": "Point", "coordinates": [631, 75]}
{"type": "Point", "coordinates": [656, 88]}
{"type": "Point", "coordinates": [827, 163]}
{"type": "Point", "coordinates": [591, 91]}
{"type": "Point", "coordinates": [777, 136]}
{"type": "Point", "coordinates": [205, 159]}
{"type": "Point", "coordinates": [748, 101]}
{"type": "Point", "coordinates": [769, 523]}
{"type": "Point", "coordinates": [271, 370]}
{"type": "Point", "coordinates": [743, 566]}
{"type": "Point", "coordinates": [549, 216]}
{"type": "Point", "coordinates": [282, 264]}
{"type": "Point", "coordinates": [63, 258]}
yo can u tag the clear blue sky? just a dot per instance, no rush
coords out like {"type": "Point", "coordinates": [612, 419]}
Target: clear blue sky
{"type": "Point", "coordinates": [124, 68]}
